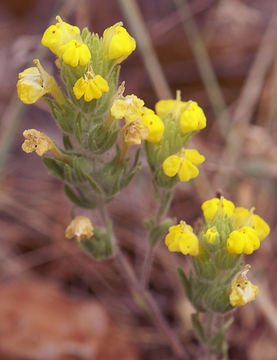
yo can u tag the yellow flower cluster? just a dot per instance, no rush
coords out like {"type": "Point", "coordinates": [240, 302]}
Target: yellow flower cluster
{"type": "Point", "coordinates": [242, 290]}
{"type": "Point", "coordinates": [249, 228]}
{"type": "Point", "coordinates": [64, 40]}
{"type": "Point", "coordinates": [183, 164]}
{"type": "Point", "coordinates": [182, 239]}
{"type": "Point", "coordinates": [192, 117]}
{"type": "Point", "coordinates": [118, 42]}
{"type": "Point", "coordinates": [80, 227]}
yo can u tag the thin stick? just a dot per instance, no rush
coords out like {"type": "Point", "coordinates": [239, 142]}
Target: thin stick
{"type": "Point", "coordinates": [204, 65]}
{"type": "Point", "coordinates": [134, 18]}
{"type": "Point", "coordinates": [248, 98]}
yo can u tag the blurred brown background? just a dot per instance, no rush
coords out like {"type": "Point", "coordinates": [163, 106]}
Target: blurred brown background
{"type": "Point", "coordinates": [55, 302]}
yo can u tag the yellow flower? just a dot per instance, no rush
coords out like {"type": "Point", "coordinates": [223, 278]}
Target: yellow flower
{"type": "Point", "coordinates": [91, 87]}
{"type": "Point", "coordinates": [35, 82]}
{"type": "Point", "coordinates": [243, 240]}
{"type": "Point", "coordinates": [244, 217]}
{"type": "Point", "coordinates": [242, 290]}
{"type": "Point", "coordinates": [212, 235]}
{"type": "Point", "coordinates": [192, 118]}
{"type": "Point", "coordinates": [128, 107]}
{"type": "Point", "coordinates": [213, 207]}
{"type": "Point", "coordinates": [30, 86]}
{"type": "Point", "coordinates": [36, 141]}
{"type": "Point", "coordinates": [75, 53]}
{"type": "Point", "coordinates": [183, 164]}
{"type": "Point", "coordinates": [154, 124]}
{"type": "Point", "coordinates": [133, 133]}
{"type": "Point", "coordinates": [163, 107]}
{"type": "Point", "coordinates": [58, 35]}
{"type": "Point", "coordinates": [182, 239]}
{"type": "Point", "coordinates": [80, 227]}
{"type": "Point", "coordinates": [118, 43]}
{"type": "Point", "coordinates": [65, 41]}
{"type": "Point", "coordinates": [177, 106]}
{"type": "Point", "coordinates": [261, 227]}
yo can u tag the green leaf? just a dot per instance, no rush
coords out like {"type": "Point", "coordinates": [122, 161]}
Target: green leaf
{"type": "Point", "coordinates": [67, 143]}
{"type": "Point", "coordinates": [55, 167]}
{"type": "Point", "coordinates": [63, 113]}
{"type": "Point", "coordinates": [198, 327]}
{"type": "Point", "coordinates": [78, 129]}
{"type": "Point", "coordinates": [94, 185]}
{"type": "Point", "coordinates": [158, 231]}
{"type": "Point", "coordinates": [99, 246]}
{"type": "Point", "coordinates": [185, 281]}
{"type": "Point", "coordinates": [78, 200]}
{"type": "Point", "coordinates": [102, 139]}
{"type": "Point", "coordinates": [69, 175]}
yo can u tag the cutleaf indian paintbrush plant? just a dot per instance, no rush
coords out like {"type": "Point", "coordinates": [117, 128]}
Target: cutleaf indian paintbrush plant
{"type": "Point", "coordinates": [98, 124]}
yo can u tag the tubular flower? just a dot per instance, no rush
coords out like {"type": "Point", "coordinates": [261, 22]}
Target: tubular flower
{"type": "Point", "coordinates": [58, 35]}
{"type": "Point", "coordinates": [75, 53]}
{"type": "Point", "coordinates": [182, 239]}
{"type": "Point", "coordinates": [36, 141]}
{"type": "Point", "coordinates": [91, 87]}
{"type": "Point", "coordinates": [80, 227]}
{"type": "Point", "coordinates": [133, 133]}
{"type": "Point", "coordinates": [213, 207]}
{"type": "Point", "coordinates": [35, 82]}
{"type": "Point", "coordinates": [154, 124]}
{"type": "Point", "coordinates": [118, 43]}
{"type": "Point", "coordinates": [242, 290]}
{"type": "Point", "coordinates": [163, 107]}
{"type": "Point", "coordinates": [244, 240]}
{"type": "Point", "coordinates": [244, 217]}
{"type": "Point", "coordinates": [30, 86]}
{"type": "Point", "coordinates": [183, 164]}
{"type": "Point", "coordinates": [192, 118]}
{"type": "Point", "coordinates": [128, 107]}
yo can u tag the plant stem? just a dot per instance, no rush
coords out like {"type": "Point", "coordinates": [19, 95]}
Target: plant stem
{"type": "Point", "coordinates": [150, 253]}
{"type": "Point", "coordinates": [150, 303]}
{"type": "Point", "coordinates": [134, 285]}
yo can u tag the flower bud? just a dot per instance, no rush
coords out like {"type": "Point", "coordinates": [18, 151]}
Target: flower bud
{"type": "Point", "coordinates": [118, 44]}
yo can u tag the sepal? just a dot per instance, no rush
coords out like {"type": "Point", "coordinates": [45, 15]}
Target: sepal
{"type": "Point", "coordinates": [99, 246]}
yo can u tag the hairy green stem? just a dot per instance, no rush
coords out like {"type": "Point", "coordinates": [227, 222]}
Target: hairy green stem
{"type": "Point", "coordinates": [150, 253]}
